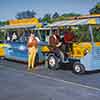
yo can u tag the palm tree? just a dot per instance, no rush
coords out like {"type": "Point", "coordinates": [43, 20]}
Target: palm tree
{"type": "Point", "coordinates": [26, 14]}
{"type": "Point", "coordinates": [55, 15]}
{"type": "Point", "coordinates": [95, 9]}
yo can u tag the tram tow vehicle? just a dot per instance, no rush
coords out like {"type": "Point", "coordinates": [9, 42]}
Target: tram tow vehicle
{"type": "Point", "coordinates": [86, 56]}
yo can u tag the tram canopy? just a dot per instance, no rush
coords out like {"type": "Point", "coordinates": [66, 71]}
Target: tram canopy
{"type": "Point", "coordinates": [88, 21]}
{"type": "Point", "coordinates": [23, 23]}
{"type": "Point", "coordinates": [16, 27]}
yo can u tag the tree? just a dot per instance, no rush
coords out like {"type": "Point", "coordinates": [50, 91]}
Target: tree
{"type": "Point", "coordinates": [25, 14]}
{"type": "Point", "coordinates": [2, 23]}
{"type": "Point", "coordinates": [46, 18]}
{"type": "Point", "coordinates": [70, 14]}
{"type": "Point", "coordinates": [55, 15]}
{"type": "Point", "coordinates": [95, 9]}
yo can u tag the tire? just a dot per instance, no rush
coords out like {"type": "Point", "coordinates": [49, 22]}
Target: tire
{"type": "Point", "coordinates": [78, 68]}
{"type": "Point", "coordinates": [53, 62]}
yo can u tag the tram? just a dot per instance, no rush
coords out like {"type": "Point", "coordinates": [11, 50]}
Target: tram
{"type": "Point", "coordinates": [16, 37]}
{"type": "Point", "coordinates": [86, 52]}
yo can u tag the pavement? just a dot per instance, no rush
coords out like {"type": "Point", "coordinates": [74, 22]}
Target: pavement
{"type": "Point", "coordinates": [16, 83]}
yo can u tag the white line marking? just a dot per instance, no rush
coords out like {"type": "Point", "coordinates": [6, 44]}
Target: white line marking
{"type": "Point", "coordinates": [56, 79]}
{"type": "Point", "coordinates": [68, 82]}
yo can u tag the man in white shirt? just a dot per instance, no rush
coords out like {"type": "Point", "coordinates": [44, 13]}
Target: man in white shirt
{"type": "Point", "coordinates": [14, 36]}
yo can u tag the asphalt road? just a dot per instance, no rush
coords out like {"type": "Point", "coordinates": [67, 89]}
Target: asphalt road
{"type": "Point", "coordinates": [16, 83]}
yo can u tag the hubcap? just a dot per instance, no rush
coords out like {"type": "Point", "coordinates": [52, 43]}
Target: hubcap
{"type": "Point", "coordinates": [77, 68]}
{"type": "Point", "coordinates": [52, 61]}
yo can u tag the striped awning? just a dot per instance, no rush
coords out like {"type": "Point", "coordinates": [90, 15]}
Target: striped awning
{"type": "Point", "coordinates": [91, 21]}
{"type": "Point", "coordinates": [15, 27]}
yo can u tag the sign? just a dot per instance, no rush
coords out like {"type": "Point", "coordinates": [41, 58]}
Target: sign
{"type": "Point", "coordinates": [27, 21]}
{"type": "Point", "coordinates": [92, 21]}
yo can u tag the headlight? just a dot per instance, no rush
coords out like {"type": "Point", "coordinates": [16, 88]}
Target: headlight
{"type": "Point", "coordinates": [86, 51]}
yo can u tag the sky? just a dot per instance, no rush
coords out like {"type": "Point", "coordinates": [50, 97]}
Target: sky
{"type": "Point", "coordinates": [9, 8]}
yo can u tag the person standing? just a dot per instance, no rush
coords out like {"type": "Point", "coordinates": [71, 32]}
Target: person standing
{"type": "Point", "coordinates": [32, 50]}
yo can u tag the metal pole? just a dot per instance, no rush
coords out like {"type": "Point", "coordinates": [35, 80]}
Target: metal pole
{"type": "Point", "coordinates": [91, 34]}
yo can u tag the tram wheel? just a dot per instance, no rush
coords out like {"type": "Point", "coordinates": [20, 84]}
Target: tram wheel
{"type": "Point", "coordinates": [78, 68]}
{"type": "Point", "coordinates": [53, 62]}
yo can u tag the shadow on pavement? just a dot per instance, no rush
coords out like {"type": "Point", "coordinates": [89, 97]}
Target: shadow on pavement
{"type": "Point", "coordinates": [92, 72]}
{"type": "Point", "coordinates": [68, 67]}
